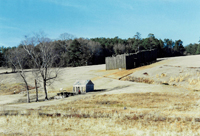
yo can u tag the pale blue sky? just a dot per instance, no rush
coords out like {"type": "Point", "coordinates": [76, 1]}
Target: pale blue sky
{"type": "Point", "coordinates": [173, 19]}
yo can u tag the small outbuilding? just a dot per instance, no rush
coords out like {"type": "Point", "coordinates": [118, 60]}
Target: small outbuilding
{"type": "Point", "coordinates": [83, 86]}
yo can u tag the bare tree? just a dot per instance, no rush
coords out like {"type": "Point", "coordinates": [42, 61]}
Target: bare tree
{"type": "Point", "coordinates": [119, 48]}
{"type": "Point", "coordinates": [11, 59]}
{"type": "Point", "coordinates": [66, 36]}
{"type": "Point", "coordinates": [89, 49]}
{"type": "Point", "coordinates": [18, 58]}
{"type": "Point", "coordinates": [41, 50]}
{"type": "Point", "coordinates": [137, 36]}
{"type": "Point", "coordinates": [95, 49]}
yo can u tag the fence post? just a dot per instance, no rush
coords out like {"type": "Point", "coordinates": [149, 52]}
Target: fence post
{"type": "Point", "coordinates": [36, 90]}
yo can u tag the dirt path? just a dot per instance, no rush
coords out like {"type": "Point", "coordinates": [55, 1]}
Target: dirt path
{"type": "Point", "coordinates": [5, 99]}
{"type": "Point", "coordinates": [36, 105]}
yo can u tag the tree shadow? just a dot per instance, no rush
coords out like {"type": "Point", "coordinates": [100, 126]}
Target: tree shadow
{"type": "Point", "coordinates": [118, 87]}
{"type": "Point", "coordinates": [6, 73]}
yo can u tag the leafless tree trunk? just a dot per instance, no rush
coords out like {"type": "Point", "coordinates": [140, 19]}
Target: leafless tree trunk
{"type": "Point", "coordinates": [17, 58]}
{"type": "Point", "coordinates": [36, 90]}
{"type": "Point", "coordinates": [119, 48]}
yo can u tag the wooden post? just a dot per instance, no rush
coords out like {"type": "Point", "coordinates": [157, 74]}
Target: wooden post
{"type": "Point", "coordinates": [36, 90]}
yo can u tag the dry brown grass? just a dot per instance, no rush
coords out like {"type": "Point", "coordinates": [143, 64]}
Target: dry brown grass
{"type": "Point", "coordinates": [189, 80]}
{"type": "Point", "coordinates": [146, 114]}
{"type": "Point", "coordinates": [7, 89]}
{"type": "Point", "coordinates": [172, 79]}
{"type": "Point", "coordinates": [177, 79]}
{"type": "Point", "coordinates": [139, 79]}
{"type": "Point", "coordinates": [163, 75]}
{"type": "Point", "coordinates": [194, 81]}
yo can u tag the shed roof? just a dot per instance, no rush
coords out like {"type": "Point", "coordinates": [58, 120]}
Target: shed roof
{"type": "Point", "coordinates": [83, 82]}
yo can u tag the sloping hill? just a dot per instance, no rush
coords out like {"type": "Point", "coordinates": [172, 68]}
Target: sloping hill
{"type": "Point", "coordinates": [117, 107]}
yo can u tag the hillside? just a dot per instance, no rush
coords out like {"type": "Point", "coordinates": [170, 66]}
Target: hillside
{"type": "Point", "coordinates": [155, 99]}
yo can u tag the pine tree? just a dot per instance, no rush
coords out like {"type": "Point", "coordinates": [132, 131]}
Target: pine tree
{"type": "Point", "coordinates": [198, 49]}
{"type": "Point", "coordinates": [74, 53]}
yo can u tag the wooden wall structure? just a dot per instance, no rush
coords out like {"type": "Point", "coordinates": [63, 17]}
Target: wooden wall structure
{"type": "Point", "coordinates": [129, 61]}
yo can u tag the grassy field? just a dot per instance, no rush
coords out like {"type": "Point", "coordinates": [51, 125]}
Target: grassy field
{"type": "Point", "coordinates": [166, 101]}
{"type": "Point", "coordinates": [117, 114]}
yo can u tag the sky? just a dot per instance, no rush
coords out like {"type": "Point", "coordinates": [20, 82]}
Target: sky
{"type": "Point", "coordinates": [173, 19]}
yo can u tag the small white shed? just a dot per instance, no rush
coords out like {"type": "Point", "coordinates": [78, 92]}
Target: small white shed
{"type": "Point", "coordinates": [83, 86]}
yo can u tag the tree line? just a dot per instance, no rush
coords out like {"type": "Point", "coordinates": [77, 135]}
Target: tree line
{"type": "Point", "coordinates": [74, 51]}
{"type": "Point", "coordinates": [193, 49]}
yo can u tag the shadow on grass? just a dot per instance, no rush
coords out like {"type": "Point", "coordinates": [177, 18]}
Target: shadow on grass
{"type": "Point", "coordinates": [98, 90]}
{"type": "Point", "coordinates": [6, 73]}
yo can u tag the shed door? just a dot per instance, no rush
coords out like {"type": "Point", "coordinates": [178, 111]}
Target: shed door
{"type": "Point", "coordinates": [79, 91]}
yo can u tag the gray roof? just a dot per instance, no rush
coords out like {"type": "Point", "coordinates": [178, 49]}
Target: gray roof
{"type": "Point", "coordinates": [83, 82]}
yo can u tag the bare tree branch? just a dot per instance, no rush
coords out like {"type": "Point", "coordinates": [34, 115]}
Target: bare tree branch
{"type": "Point", "coordinates": [44, 58]}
